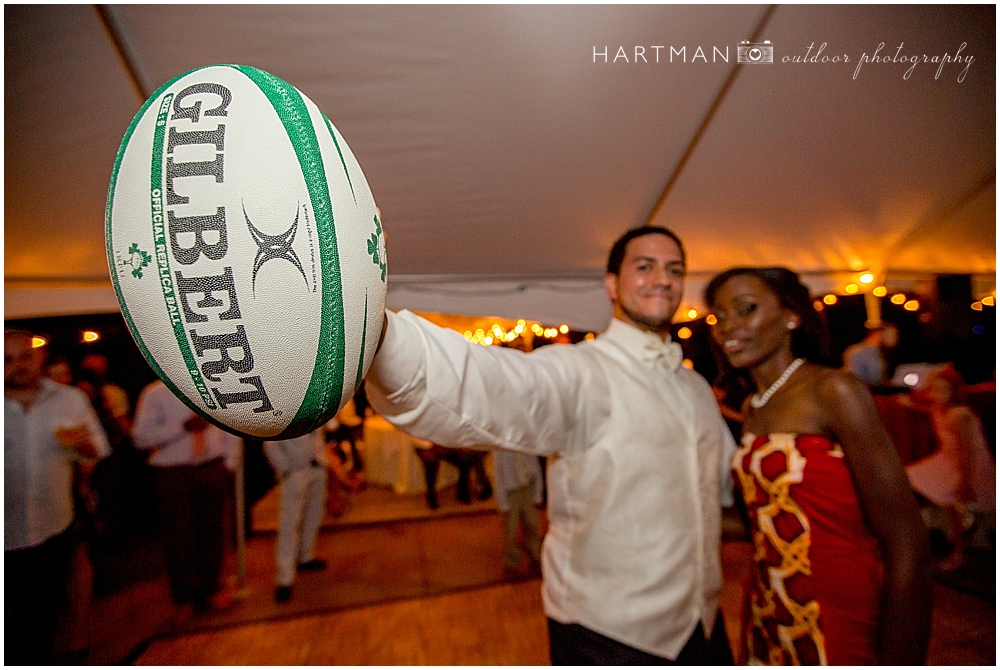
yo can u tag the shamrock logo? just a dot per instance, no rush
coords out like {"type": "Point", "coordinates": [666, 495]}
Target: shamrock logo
{"type": "Point", "coordinates": [376, 247]}
{"type": "Point", "coordinates": [137, 259]}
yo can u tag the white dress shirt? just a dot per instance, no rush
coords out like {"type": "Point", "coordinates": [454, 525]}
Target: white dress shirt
{"type": "Point", "coordinates": [638, 453]}
{"type": "Point", "coordinates": [159, 425]}
{"type": "Point", "coordinates": [37, 469]}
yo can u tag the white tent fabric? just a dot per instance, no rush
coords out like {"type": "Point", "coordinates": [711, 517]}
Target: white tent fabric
{"type": "Point", "coordinates": [507, 146]}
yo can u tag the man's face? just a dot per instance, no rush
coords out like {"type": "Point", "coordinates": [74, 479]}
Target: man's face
{"type": "Point", "coordinates": [22, 365]}
{"type": "Point", "coordinates": [647, 290]}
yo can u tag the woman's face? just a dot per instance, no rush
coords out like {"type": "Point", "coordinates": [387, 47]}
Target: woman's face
{"type": "Point", "coordinates": [752, 326]}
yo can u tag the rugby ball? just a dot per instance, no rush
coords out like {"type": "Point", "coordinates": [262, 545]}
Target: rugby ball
{"type": "Point", "coordinates": [246, 251]}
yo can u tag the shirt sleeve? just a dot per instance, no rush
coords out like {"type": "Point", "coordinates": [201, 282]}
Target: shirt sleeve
{"type": "Point", "coordinates": [153, 427]}
{"type": "Point", "coordinates": [434, 384]}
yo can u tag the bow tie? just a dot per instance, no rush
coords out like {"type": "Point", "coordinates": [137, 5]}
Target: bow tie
{"type": "Point", "coordinates": [667, 355]}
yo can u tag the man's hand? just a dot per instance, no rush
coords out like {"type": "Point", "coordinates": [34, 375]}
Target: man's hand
{"type": "Point", "coordinates": [77, 439]}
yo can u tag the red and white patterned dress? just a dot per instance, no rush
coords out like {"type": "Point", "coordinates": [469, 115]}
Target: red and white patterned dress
{"type": "Point", "coordinates": [812, 596]}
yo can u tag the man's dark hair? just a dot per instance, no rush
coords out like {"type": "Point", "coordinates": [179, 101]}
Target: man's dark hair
{"type": "Point", "coordinates": [810, 340]}
{"type": "Point", "coordinates": [617, 254]}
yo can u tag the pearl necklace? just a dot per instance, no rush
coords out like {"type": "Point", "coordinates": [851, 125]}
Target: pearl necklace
{"type": "Point", "coordinates": [759, 400]}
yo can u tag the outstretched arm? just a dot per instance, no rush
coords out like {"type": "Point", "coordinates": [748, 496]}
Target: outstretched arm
{"type": "Point", "coordinates": [891, 510]}
{"type": "Point", "coordinates": [435, 385]}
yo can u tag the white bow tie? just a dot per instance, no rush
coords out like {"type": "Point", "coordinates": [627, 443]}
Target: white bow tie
{"type": "Point", "coordinates": [667, 355]}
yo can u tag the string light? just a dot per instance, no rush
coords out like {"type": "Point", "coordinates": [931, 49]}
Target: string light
{"type": "Point", "coordinates": [692, 314]}
{"type": "Point", "coordinates": [90, 336]}
{"type": "Point", "coordinates": [711, 320]}
{"type": "Point", "coordinates": [588, 337]}
{"type": "Point", "coordinates": [911, 305]}
{"type": "Point", "coordinates": [564, 329]}
{"type": "Point", "coordinates": [977, 306]}
{"type": "Point", "coordinates": [684, 333]}
{"type": "Point", "coordinates": [830, 299]}
{"type": "Point", "coordinates": [851, 288]}
{"type": "Point", "coordinates": [879, 291]}
{"type": "Point", "coordinates": [866, 278]}
{"type": "Point", "coordinates": [989, 301]}
{"type": "Point", "coordinates": [37, 342]}
{"type": "Point", "coordinates": [688, 363]}
{"type": "Point", "coordinates": [898, 299]}
{"type": "Point", "coordinates": [818, 305]}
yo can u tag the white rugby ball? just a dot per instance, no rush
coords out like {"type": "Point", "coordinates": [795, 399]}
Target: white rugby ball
{"type": "Point", "coordinates": [246, 251]}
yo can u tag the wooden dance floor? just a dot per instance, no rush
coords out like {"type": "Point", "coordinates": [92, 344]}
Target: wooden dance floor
{"type": "Point", "coordinates": [499, 623]}
{"type": "Point", "coordinates": [425, 590]}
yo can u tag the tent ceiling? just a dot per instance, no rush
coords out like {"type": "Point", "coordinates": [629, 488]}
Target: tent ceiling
{"type": "Point", "coordinates": [504, 158]}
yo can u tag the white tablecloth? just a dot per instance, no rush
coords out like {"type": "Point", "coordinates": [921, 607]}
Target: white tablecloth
{"type": "Point", "coordinates": [390, 459]}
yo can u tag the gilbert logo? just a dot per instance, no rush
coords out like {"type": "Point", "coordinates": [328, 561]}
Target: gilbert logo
{"type": "Point", "coordinates": [274, 247]}
{"type": "Point", "coordinates": [755, 53]}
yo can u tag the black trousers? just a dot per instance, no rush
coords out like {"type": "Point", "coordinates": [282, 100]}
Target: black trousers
{"type": "Point", "coordinates": [36, 582]}
{"type": "Point", "coordinates": [192, 505]}
{"type": "Point", "coordinates": [572, 644]}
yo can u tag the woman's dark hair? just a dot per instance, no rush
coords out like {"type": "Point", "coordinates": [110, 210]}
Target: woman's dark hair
{"type": "Point", "coordinates": [617, 254]}
{"type": "Point", "coordinates": [810, 340]}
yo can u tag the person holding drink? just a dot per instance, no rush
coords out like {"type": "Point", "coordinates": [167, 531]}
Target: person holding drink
{"type": "Point", "coordinates": [48, 428]}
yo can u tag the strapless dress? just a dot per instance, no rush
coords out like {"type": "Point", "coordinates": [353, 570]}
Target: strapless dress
{"type": "Point", "coordinates": [812, 595]}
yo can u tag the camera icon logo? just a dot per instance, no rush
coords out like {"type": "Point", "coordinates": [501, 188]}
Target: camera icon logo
{"type": "Point", "coordinates": [755, 53]}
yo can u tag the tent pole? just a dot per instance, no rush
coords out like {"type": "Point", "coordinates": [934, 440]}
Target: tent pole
{"type": "Point", "coordinates": [115, 33]}
{"type": "Point", "coordinates": [737, 66]}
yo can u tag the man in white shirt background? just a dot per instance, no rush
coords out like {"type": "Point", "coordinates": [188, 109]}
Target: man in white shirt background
{"type": "Point", "coordinates": [300, 465]}
{"type": "Point", "coordinates": [48, 429]}
{"type": "Point", "coordinates": [193, 462]}
{"type": "Point", "coordinates": [519, 491]}
{"type": "Point", "coordinates": [639, 459]}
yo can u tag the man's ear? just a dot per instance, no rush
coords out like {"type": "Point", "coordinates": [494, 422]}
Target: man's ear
{"type": "Point", "coordinates": [611, 286]}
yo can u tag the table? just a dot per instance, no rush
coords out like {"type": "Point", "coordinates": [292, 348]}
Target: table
{"type": "Point", "coordinates": [390, 460]}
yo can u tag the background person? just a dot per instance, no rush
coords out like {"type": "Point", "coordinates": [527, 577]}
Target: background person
{"type": "Point", "coordinates": [192, 461]}
{"type": "Point", "coordinates": [841, 572]}
{"type": "Point", "coordinates": [868, 360]}
{"type": "Point", "coordinates": [300, 465]}
{"type": "Point", "coordinates": [519, 491]}
{"type": "Point", "coordinates": [631, 568]}
{"type": "Point", "coordinates": [48, 428]}
{"type": "Point", "coordinates": [960, 475]}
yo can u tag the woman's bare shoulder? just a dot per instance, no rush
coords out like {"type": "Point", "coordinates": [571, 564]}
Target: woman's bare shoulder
{"type": "Point", "coordinates": [838, 384]}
